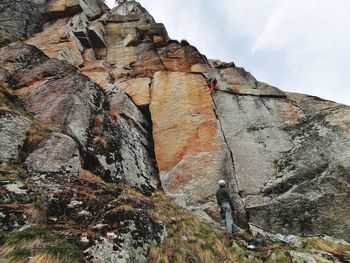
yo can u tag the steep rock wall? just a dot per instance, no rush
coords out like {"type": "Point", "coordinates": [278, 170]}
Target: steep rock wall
{"type": "Point", "coordinates": [286, 156]}
{"type": "Point", "coordinates": [190, 150]}
{"type": "Point", "coordinates": [82, 127]}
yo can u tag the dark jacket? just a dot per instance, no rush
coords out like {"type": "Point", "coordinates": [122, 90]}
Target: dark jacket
{"type": "Point", "coordinates": [223, 194]}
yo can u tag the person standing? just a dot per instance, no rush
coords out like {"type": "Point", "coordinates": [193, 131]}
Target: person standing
{"type": "Point", "coordinates": [226, 207]}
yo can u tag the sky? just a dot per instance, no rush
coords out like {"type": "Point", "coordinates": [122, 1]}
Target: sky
{"type": "Point", "coordinates": [296, 45]}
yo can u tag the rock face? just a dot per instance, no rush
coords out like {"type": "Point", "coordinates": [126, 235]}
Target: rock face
{"type": "Point", "coordinates": [85, 127]}
{"type": "Point", "coordinates": [59, 153]}
{"type": "Point", "coordinates": [18, 19]}
{"type": "Point", "coordinates": [106, 94]}
{"type": "Point", "coordinates": [13, 129]}
{"type": "Point", "coordinates": [191, 152]}
{"type": "Point", "coordinates": [55, 122]}
{"type": "Point", "coordinates": [291, 157]}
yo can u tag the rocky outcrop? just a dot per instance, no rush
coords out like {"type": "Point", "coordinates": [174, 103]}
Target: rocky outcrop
{"type": "Point", "coordinates": [286, 154]}
{"type": "Point", "coordinates": [59, 153]}
{"type": "Point", "coordinates": [13, 129]}
{"type": "Point", "coordinates": [120, 147]}
{"type": "Point", "coordinates": [105, 134]}
{"type": "Point", "coordinates": [64, 123]}
{"type": "Point", "coordinates": [107, 221]}
{"type": "Point", "coordinates": [18, 20]}
{"type": "Point", "coordinates": [190, 152]}
{"type": "Point", "coordinates": [110, 93]}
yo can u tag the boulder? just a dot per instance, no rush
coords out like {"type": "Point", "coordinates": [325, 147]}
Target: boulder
{"type": "Point", "coordinates": [65, 104]}
{"type": "Point", "coordinates": [57, 154]}
{"type": "Point", "coordinates": [13, 129]}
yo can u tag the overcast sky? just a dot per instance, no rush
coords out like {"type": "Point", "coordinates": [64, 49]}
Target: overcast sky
{"type": "Point", "coordinates": [296, 45]}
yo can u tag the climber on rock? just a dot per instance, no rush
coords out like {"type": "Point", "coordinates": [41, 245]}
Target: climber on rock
{"type": "Point", "coordinates": [212, 82]}
{"type": "Point", "coordinates": [226, 207]}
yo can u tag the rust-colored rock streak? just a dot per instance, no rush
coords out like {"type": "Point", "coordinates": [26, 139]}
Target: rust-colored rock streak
{"type": "Point", "coordinates": [188, 143]}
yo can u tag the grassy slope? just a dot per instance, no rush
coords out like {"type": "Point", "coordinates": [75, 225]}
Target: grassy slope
{"type": "Point", "coordinates": [187, 240]}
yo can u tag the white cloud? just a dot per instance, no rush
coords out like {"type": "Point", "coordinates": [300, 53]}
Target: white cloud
{"type": "Point", "coordinates": [300, 46]}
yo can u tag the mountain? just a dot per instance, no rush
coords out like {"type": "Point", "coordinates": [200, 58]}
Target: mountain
{"type": "Point", "coordinates": [112, 146]}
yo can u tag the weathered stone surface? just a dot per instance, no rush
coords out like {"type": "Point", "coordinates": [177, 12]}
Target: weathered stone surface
{"type": "Point", "coordinates": [122, 146]}
{"type": "Point", "coordinates": [111, 133]}
{"type": "Point", "coordinates": [52, 90]}
{"type": "Point", "coordinates": [135, 239]}
{"type": "Point", "coordinates": [177, 57]}
{"type": "Point", "coordinates": [58, 40]}
{"type": "Point", "coordinates": [13, 130]}
{"type": "Point", "coordinates": [65, 8]}
{"type": "Point", "coordinates": [57, 154]}
{"type": "Point", "coordinates": [110, 222]}
{"type": "Point", "coordinates": [190, 150]}
{"type": "Point", "coordinates": [253, 127]}
{"type": "Point", "coordinates": [117, 32]}
{"type": "Point", "coordinates": [129, 11]}
{"type": "Point", "coordinates": [18, 19]}
{"type": "Point", "coordinates": [285, 157]}
{"type": "Point", "coordinates": [238, 81]}
{"type": "Point", "coordinates": [299, 257]}
{"type": "Point", "coordinates": [98, 71]}
{"type": "Point", "coordinates": [97, 34]}
{"type": "Point", "coordinates": [146, 64]}
{"type": "Point", "coordinates": [121, 55]}
{"type": "Point", "coordinates": [138, 89]}
{"type": "Point", "coordinates": [64, 104]}
{"type": "Point", "coordinates": [16, 57]}
{"type": "Point", "coordinates": [154, 32]}
{"type": "Point", "coordinates": [148, 61]}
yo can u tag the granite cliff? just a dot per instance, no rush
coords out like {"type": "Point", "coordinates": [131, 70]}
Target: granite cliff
{"type": "Point", "coordinates": [100, 110]}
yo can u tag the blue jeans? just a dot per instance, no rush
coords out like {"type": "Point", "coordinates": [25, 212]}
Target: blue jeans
{"type": "Point", "coordinates": [227, 211]}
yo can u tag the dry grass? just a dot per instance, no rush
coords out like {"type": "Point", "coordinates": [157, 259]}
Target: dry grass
{"type": "Point", "coordinates": [191, 240]}
{"type": "Point", "coordinates": [36, 215]}
{"type": "Point", "coordinates": [188, 239]}
{"type": "Point", "coordinates": [8, 101]}
{"type": "Point", "coordinates": [7, 249]}
{"type": "Point", "coordinates": [35, 135]}
{"type": "Point", "coordinates": [125, 208]}
{"type": "Point", "coordinates": [114, 113]}
{"type": "Point", "coordinates": [335, 248]}
{"type": "Point", "coordinates": [100, 140]}
{"type": "Point", "coordinates": [89, 176]}
{"type": "Point", "coordinates": [12, 171]}
{"type": "Point", "coordinates": [37, 244]}
{"type": "Point", "coordinates": [98, 120]}
{"type": "Point", "coordinates": [44, 258]}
